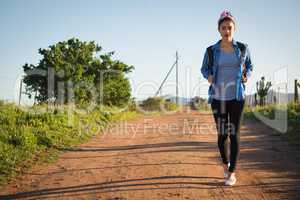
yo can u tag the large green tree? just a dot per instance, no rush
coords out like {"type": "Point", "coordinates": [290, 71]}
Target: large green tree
{"type": "Point", "coordinates": [79, 67]}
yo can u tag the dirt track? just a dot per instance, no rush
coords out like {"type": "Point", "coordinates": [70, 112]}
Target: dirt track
{"type": "Point", "coordinates": [165, 157]}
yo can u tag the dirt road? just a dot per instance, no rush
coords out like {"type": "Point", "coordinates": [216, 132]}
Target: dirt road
{"type": "Point", "coordinates": [165, 157]}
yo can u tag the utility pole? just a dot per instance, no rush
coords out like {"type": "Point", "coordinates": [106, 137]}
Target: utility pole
{"type": "Point", "coordinates": [176, 77]}
{"type": "Point", "coordinates": [174, 65]}
{"type": "Point", "coordinates": [296, 95]}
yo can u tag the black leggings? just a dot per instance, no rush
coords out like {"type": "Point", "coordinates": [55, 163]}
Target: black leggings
{"type": "Point", "coordinates": [227, 115]}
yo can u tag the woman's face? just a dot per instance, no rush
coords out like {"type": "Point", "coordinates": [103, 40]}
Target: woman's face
{"type": "Point", "coordinates": [226, 29]}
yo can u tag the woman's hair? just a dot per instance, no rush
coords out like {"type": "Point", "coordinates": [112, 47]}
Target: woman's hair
{"type": "Point", "coordinates": [223, 20]}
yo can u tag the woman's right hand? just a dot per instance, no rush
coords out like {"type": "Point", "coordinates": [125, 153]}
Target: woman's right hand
{"type": "Point", "coordinates": [210, 79]}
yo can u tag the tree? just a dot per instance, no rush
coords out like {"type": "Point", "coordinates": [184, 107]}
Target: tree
{"type": "Point", "coordinates": [262, 89]}
{"type": "Point", "coordinates": [80, 67]}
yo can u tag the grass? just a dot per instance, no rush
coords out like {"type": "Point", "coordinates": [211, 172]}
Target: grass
{"type": "Point", "coordinates": [293, 117]}
{"type": "Point", "coordinates": [35, 135]}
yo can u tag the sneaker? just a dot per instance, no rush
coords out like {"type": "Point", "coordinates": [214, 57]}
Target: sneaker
{"type": "Point", "coordinates": [226, 172]}
{"type": "Point", "coordinates": [230, 181]}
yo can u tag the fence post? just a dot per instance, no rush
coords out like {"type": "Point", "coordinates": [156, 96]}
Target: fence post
{"type": "Point", "coordinates": [296, 95]}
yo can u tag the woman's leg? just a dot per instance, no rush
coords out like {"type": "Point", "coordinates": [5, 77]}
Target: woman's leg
{"type": "Point", "coordinates": [235, 109]}
{"type": "Point", "coordinates": [221, 119]}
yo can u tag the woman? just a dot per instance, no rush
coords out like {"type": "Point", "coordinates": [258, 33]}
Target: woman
{"type": "Point", "coordinates": [226, 66]}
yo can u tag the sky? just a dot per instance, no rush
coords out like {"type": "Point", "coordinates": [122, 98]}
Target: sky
{"type": "Point", "coordinates": [147, 34]}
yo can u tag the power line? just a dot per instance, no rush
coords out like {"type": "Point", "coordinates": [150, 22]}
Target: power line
{"type": "Point", "coordinates": [166, 77]}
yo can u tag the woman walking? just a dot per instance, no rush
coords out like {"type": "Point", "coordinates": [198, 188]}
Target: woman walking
{"type": "Point", "coordinates": [226, 66]}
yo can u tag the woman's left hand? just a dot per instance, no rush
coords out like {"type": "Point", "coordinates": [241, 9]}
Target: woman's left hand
{"type": "Point", "coordinates": [244, 79]}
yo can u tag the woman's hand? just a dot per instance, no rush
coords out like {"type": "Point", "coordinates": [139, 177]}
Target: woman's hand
{"type": "Point", "coordinates": [210, 79]}
{"type": "Point", "coordinates": [244, 79]}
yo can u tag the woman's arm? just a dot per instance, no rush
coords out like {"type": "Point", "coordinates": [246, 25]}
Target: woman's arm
{"type": "Point", "coordinates": [248, 63]}
{"type": "Point", "coordinates": [204, 68]}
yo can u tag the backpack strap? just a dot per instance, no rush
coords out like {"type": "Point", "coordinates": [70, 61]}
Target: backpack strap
{"type": "Point", "coordinates": [210, 59]}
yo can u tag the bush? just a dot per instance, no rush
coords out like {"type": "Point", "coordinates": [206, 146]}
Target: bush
{"type": "Point", "coordinates": [171, 106]}
{"type": "Point", "coordinates": [158, 104]}
{"type": "Point", "coordinates": [198, 103]}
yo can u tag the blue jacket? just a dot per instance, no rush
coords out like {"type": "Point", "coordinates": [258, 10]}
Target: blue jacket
{"type": "Point", "coordinates": [245, 62]}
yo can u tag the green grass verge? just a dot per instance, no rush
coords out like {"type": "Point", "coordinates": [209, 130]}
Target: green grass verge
{"type": "Point", "coordinates": [293, 117]}
{"type": "Point", "coordinates": [35, 135]}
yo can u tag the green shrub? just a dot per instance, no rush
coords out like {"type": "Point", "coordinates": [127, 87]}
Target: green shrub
{"type": "Point", "coordinates": [157, 104]}
{"type": "Point", "coordinates": [171, 106]}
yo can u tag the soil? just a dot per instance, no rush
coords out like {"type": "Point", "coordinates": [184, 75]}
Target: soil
{"type": "Point", "coordinates": [173, 156]}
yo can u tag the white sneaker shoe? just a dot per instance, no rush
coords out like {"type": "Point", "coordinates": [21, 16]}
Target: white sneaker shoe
{"type": "Point", "coordinates": [226, 172]}
{"type": "Point", "coordinates": [230, 181]}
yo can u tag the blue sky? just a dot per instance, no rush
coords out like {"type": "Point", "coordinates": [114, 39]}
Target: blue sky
{"type": "Point", "coordinates": [147, 34]}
